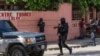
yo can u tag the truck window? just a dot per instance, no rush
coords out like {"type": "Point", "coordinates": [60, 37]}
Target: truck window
{"type": "Point", "coordinates": [6, 26]}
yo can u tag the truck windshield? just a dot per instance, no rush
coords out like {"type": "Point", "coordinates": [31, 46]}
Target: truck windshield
{"type": "Point", "coordinates": [6, 26]}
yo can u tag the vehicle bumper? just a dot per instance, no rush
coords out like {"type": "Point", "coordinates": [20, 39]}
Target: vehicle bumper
{"type": "Point", "coordinates": [36, 47]}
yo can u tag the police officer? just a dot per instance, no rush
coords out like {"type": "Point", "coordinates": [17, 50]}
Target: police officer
{"type": "Point", "coordinates": [62, 33]}
{"type": "Point", "coordinates": [41, 25]}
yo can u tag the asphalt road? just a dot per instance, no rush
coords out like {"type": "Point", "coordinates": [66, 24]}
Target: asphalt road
{"type": "Point", "coordinates": [1, 55]}
{"type": "Point", "coordinates": [86, 51]}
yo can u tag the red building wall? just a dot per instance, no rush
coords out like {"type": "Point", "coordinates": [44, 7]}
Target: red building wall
{"type": "Point", "coordinates": [28, 21]}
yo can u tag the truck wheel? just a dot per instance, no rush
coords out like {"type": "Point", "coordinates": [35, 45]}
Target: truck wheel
{"type": "Point", "coordinates": [17, 50]}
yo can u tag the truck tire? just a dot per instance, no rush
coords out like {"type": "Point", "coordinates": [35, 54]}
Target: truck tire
{"type": "Point", "coordinates": [17, 50]}
{"type": "Point", "coordinates": [41, 53]}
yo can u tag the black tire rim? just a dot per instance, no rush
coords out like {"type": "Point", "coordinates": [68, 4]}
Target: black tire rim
{"type": "Point", "coordinates": [17, 53]}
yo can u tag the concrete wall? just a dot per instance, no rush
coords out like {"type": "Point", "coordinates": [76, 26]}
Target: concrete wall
{"type": "Point", "coordinates": [51, 18]}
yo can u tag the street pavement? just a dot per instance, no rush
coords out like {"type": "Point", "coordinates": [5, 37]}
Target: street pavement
{"type": "Point", "coordinates": [80, 48]}
{"type": "Point", "coordinates": [86, 51]}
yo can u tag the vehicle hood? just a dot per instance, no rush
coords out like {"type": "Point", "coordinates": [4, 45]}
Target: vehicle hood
{"type": "Point", "coordinates": [24, 34]}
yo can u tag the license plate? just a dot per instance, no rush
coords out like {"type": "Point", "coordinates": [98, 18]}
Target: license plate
{"type": "Point", "coordinates": [42, 46]}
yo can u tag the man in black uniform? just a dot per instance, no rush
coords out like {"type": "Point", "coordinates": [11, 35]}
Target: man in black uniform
{"type": "Point", "coordinates": [62, 33]}
{"type": "Point", "coordinates": [41, 25]}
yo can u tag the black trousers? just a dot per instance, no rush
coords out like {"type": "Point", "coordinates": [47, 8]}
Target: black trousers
{"type": "Point", "coordinates": [61, 42]}
{"type": "Point", "coordinates": [41, 29]}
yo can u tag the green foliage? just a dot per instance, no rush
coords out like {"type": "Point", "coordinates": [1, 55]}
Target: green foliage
{"type": "Point", "coordinates": [53, 4]}
{"type": "Point", "coordinates": [85, 4]}
{"type": "Point", "coordinates": [13, 1]}
{"type": "Point", "coordinates": [38, 4]}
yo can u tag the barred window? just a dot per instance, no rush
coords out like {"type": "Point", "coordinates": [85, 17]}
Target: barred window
{"type": "Point", "coordinates": [76, 15]}
{"type": "Point", "coordinates": [91, 15]}
{"type": "Point", "coordinates": [1, 7]}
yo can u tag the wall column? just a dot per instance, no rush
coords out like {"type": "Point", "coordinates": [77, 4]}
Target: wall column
{"type": "Point", "coordinates": [87, 16]}
{"type": "Point", "coordinates": [94, 13]}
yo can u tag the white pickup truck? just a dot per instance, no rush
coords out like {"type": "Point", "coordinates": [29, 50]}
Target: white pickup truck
{"type": "Point", "coordinates": [16, 43]}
